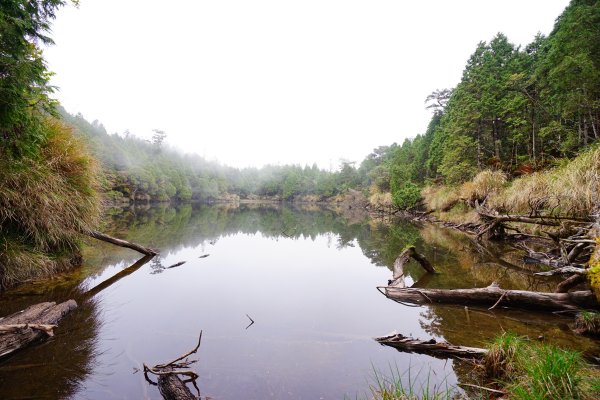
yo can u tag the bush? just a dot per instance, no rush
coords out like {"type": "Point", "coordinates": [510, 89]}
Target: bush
{"type": "Point", "coordinates": [407, 196]}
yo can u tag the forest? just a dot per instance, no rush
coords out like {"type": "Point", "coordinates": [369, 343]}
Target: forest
{"type": "Point", "coordinates": [516, 110]}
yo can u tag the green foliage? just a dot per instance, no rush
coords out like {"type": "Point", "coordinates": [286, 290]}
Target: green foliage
{"type": "Point", "coordinates": [24, 82]}
{"type": "Point", "coordinates": [407, 196]}
{"type": "Point", "coordinates": [514, 109]}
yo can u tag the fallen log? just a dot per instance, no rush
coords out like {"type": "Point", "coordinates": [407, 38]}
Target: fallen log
{"type": "Point", "coordinates": [34, 323]}
{"type": "Point", "coordinates": [494, 295]}
{"type": "Point", "coordinates": [169, 383]}
{"type": "Point", "coordinates": [430, 347]}
{"type": "Point", "coordinates": [122, 243]}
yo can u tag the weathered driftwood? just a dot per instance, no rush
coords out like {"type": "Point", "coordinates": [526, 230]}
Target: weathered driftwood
{"type": "Point", "coordinates": [122, 243]}
{"type": "Point", "coordinates": [169, 383]}
{"type": "Point", "coordinates": [34, 323]}
{"type": "Point", "coordinates": [494, 295]}
{"type": "Point", "coordinates": [404, 257]}
{"type": "Point", "coordinates": [430, 347]}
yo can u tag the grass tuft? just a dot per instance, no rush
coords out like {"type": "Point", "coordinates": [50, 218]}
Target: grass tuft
{"type": "Point", "coordinates": [46, 202]}
{"type": "Point", "coordinates": [393, 387]}
{"type": "Point", "coordinates": [440, 198]}
{"type": "Point", "coordinates": [500, 361]}
{"type": "Point", "coordinates": [484, 184]}
{"type": "Point", "coordinates": [588, 323]}
{"type": "Point", "coordinates": [534, 371]}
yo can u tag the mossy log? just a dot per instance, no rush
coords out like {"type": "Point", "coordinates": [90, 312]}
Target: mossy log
{"type": "Point", "coordinates": [430, 347]}
{"type": "Point", "coordinates": [34, 323]}
{"type": "Point", "coordinates": [493, 295]}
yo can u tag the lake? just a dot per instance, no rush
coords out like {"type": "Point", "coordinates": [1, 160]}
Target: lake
{"type": "Point", "coordinates": [306, 276]}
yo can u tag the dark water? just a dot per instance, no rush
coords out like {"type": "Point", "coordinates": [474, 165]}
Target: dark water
{"type": "Point", "coordinates": [307, 278]}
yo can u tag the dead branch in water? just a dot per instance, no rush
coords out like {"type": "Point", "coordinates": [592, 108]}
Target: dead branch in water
{"type": "Point", "coordinates": [430, 347]}
{"type": "Point", "coordinates": [169, 383]}
{"type": "Point", "coordinates": [403, 258]}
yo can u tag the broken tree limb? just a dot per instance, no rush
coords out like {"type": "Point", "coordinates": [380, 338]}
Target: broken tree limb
{"type": "Point", "coordinates": [122, 243]}
{"type": "Point", "coordinates": [32, 319]}
{"type": "Point", "coordinates": [430, 347]}
{"type": "Point", "coordinates": [169, 383]}
{"type": "Point", "coordinates": [569, 283]}
{"type": "Point", "coordinates": [491, 294]}
{"type": "Point", "coordinates": [404, 257]}
{"type": "Point", "coordinates": [563, 270]}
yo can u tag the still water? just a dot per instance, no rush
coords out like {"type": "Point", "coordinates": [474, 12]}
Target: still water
{"type": "Point", "coordinates": [306, 277]}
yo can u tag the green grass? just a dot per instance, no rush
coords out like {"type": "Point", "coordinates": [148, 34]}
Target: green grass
{"type": "Point", "coordinates": [531, 371]}
{"type": "Point", "coordinates": [524, 370]}
{"type": "Point", "coordinates": [407, 386]}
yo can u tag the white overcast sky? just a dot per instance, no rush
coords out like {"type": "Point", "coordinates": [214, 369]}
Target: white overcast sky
{"type": "Point", "coordinates": [252, 82]}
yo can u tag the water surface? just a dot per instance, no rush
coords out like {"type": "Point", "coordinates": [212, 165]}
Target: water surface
{"type": "Point", "coordinates": [307, 277]}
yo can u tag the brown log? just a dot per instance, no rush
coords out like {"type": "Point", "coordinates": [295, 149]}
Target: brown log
{"type": "Point", "coordinates": [492, 294]}
{"type": "Point", "coordinates": [171, 387]}
{"type": "Point", "coordinates": [569, 283]}
{"type": "Point", "coordinates": [430, 347]}
{"type": "Point", "coordinates": [38, 314]}
{"type": "Point", "coordinates": [122, 243]}
{"type": "Point", "coordinates": [169, 383]}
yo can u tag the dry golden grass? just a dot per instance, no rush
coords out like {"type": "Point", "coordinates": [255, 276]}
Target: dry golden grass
{"type": "Point", "coordinates": [486, 183]}
{"type": "Point", "coordinates": [45, 204]}
{"type": "Point", "coordinates": [381, 200]}
{"type": "Point", "coordinates": [441, 198]}
{"type": "Point", "coordinates": [571, 189]}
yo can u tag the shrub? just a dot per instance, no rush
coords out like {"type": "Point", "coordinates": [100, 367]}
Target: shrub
{"type": "Point", "coordinates": [407, 196]}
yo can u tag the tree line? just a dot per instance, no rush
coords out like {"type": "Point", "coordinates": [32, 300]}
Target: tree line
{"type": "Point", "coordinates": [515, 109]}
